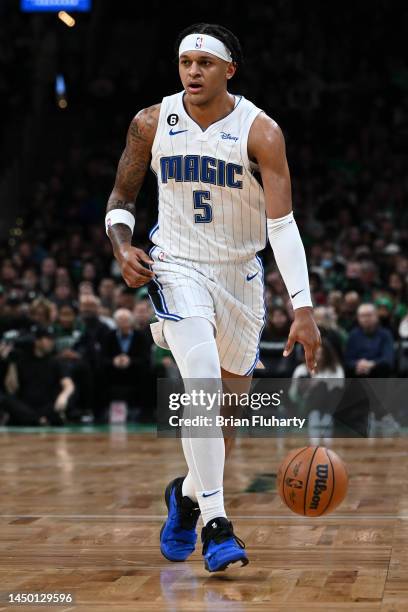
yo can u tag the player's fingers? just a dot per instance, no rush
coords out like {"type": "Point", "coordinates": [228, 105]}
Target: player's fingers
{"type": "Point", "coordinates": [134, 280]}
{"type": "Point", "coordinates": [144, 257]}
{"type": "Point", "coordinates": [133, 277]}
{"type": "Point", "coordinates": [310, 358]}
{"type": "Point", "coordinates": [289, 346]}
{"type": "Point", "coordinates": [134, 261]}
{"type": "Point", "coordinates": [137, 267]}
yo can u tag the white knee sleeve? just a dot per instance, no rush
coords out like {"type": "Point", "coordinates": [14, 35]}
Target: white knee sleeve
{"type": "Point", "coordinates": [193, 346]}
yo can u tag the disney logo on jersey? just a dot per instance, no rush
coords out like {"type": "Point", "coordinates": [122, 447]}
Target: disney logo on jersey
{"type": "Point", "coordinates": [226, 136]}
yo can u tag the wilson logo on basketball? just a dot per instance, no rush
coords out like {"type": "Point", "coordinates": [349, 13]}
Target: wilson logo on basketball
{"type": "Point", "coordinates": [320, 485]}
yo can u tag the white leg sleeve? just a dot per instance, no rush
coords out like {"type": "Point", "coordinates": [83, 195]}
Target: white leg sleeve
{"type": "Point", "coordinates": [194, 348]}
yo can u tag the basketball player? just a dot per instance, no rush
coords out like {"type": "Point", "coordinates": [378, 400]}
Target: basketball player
{"type": "Point", "coordinates": [205, 279]}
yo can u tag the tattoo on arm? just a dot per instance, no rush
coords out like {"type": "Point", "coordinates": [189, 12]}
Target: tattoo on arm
{"type": "Point", "coordinates": [132, 169]}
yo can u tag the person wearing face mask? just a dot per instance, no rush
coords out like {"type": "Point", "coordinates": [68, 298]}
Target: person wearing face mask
{"type": "Point", "coordinates": [385, 309]}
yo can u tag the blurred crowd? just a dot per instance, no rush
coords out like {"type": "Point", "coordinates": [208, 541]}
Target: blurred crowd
{"type": "Point", "coordinates": [65, 314]}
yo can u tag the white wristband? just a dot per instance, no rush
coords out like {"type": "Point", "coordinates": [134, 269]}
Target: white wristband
{"type": "Point", "coordinates": [118, 215]}
{"type": "Point", "coordinates": [290, 258]}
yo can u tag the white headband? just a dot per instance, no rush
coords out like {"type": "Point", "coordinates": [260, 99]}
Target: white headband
{"type": "Point", "coordinates": [204, 42]}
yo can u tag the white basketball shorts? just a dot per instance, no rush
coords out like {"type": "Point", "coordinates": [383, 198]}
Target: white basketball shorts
{"type": "Point", "coordinates": [230, 296]}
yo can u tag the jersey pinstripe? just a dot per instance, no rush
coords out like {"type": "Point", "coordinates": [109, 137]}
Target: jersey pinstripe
{"type": "Point", "coordinates": [211, 206]}
{"type": "Point", "coordinates": [229, 295]}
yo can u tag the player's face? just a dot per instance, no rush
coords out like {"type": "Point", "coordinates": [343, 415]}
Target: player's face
{"type": "Point", "coordinates": [203, 75]}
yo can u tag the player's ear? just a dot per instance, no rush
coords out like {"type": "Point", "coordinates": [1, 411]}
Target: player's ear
{"type": "Point", "coordinates": [231, 70]}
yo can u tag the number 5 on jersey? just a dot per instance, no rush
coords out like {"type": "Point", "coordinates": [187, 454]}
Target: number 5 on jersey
{"type": "Point", "coordinates": [200, 204]}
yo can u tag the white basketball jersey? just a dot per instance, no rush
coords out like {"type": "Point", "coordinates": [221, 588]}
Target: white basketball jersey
{"type": "Point", "coordinates": [211, 206]}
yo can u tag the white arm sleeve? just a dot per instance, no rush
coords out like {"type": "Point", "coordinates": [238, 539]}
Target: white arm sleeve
{"type": "Point", "coordinates": [290, 258]}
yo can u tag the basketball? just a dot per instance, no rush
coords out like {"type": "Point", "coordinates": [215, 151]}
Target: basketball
{"type": "Point", "coordinates": [312, 481]}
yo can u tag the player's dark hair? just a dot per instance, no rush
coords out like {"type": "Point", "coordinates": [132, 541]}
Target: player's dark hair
{"type": "Point", "coordinates": [218, 31]}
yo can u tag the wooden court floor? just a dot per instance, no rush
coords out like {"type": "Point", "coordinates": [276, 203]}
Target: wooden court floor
{"type": "Point", "coordinates": [80, 513]}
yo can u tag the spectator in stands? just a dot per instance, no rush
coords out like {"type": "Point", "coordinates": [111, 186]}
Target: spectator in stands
{"type": "Point", "coordinates": [30, 280]}
{"type": "Point", "coordinates": [14, 313]}
{"type": "Point", "coordinates": [8, 273]}
{"type": "Point", "coordinates": [94, 330]}
{"type": "Point", "coordinates": [326, 320]}
{"type": "Point", "coordinates": [63, 293]}
{"type": "Point", "coordinates": [47, 278]}
{"type": "Point", "coordinates": [369, 279]}
{"type": "Point", "coordinates": [352, 277]}
{"type": "Point", "coordinates": [124, 298]}
{"type": "Point", "coordinates": [41, 312]}
{"type": "Point", "coordinates": [348, 310]}
{"type": "Point", "coordinates": [106, 292]}
{"type": "Point", "coordinates": [68, 329]}
{"type": "Point", "coordinates": [385, 308]}
{"type": "Point", "coordinates": [370, 347]}
{"type": "Point", "coordinates": [89, 273]}
{"type": "Point", "coordinates": [38, 390]}
{"type": "Point", "coordinates": [62, 276]}
{"type": "Point", "coordinates": [143, 314]}
{"type": "Point", "coordinates": [126, 362]}
{"type": "Point", "coordinates": [85, 288]}
{"type": "Point", "coordinates": [274, 280]}
{"type": "Point", "coordinates": [90, 346]}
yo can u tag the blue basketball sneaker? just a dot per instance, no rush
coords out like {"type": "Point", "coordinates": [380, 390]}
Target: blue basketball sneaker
{"type": "Point", "coordinates": [178, 534]}
{"type": "Point", "coordinates": [221, 546]}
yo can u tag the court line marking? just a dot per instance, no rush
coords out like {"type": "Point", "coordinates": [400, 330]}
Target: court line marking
{"type": "Point", "coordinates": [160, 517]}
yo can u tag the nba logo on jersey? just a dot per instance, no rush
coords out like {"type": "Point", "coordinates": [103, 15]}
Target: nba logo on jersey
{"type": "Point", "coordinates": [199, 42]}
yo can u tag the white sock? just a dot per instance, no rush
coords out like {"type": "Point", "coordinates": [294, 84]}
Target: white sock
{"type": "Point", "coordinates": [194, 348]}
{"type": "Point", "coordinates": [188, 488]}
{"type": "Point", "coordinates": [211, 504]}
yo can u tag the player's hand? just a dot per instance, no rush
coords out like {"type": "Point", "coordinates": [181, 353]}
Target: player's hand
{"type": "Point", "coordinates": [133, 262]}
{"type": "Point", "coordinates": [305, 331]}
